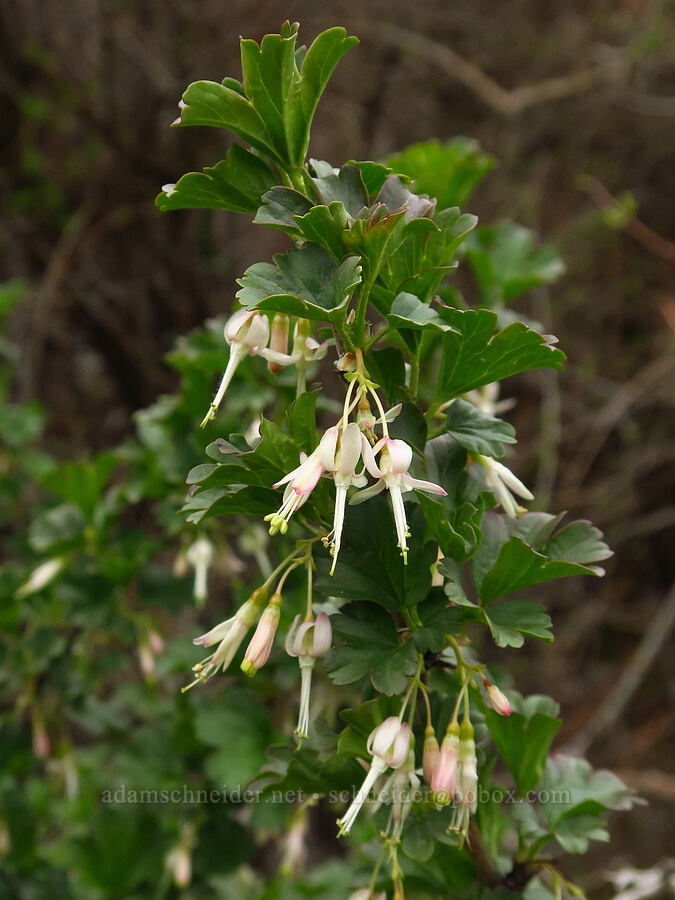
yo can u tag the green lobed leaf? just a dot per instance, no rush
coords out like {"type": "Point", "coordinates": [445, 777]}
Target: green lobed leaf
{"type": "Point", "coordinates": [279, 207]}
{"type": "Point", "coordinates": [303, 282]}
{"type": "Point", "coordinates": [302, 421]}
{"type": "Point", "coordinates": [366, 643]}
{"type": "Point", "coordinates": [273, 108]}
{"type": "Point", "coordinates": [344, 186]}
{"type": "Point", "coordinates": [236, 183]}
{"type": "Point", "coordinates": [407, 311]}
{"type": "Point", "coordinates": [477, 356]}
{"type": "Point", "coordinates": [506, 562]}
{"type": "Point", "coordinates": [478, 431]}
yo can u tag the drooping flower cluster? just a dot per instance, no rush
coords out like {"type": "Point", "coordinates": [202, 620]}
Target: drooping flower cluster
{"type": "Point", "coordinates": [308, 642]}
{"type": "Point", "coordinates": [338, 454]}
{"type": "Point", "coordinates": [388, 744]}
{"type": "Point", "coordinates": [247, 332]}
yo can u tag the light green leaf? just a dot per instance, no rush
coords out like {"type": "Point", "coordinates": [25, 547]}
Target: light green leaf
{"type": "Point", "coordinates": [510, 620]}
{"type": "Point", "coordinates": [325, 225]}
{"type": "Point", "coordinates": [409, 312]}
{"type": "Point", "coordinates": [507, 264]}
{"type": "Point", "coordinates": [236, 183]}
{"type": "Point", "coordinates": [449, 172]}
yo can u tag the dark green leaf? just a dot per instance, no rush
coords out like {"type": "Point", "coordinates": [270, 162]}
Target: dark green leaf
{"type": "Point", "coordinates": [477, 356]}
{"type": "Point", "coordinates": [302, 421]}
{"type": "Point", "coordinates": [370, 566]}
{"type": "Point", "coordinates": [523, 744]}
{"type": "Point", "coordinates": [279, 207]}
{"type": "Point", "coordinates": [345, 187]}
{"type": "Point", "coordinates": [387, 368]}
{"type": "Point", "coordinates": [367, 643]}
{"type": "Point", "coordinates": [506, 562]}
{"type": "Point", "coordinates": [236, 183]}
{"type": "Point", "coordinates": [324, 225]}
{"type": "Point", "coordinates": [304, 282]}
{"type": "Point", "coordinates": [478, 431]}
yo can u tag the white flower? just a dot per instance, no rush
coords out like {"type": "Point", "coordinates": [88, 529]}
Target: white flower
{"type": "Point", "coordinates": [308, 642]}
{"type": "Point", "coordinates": [228, 635]}
{"type": "Point", "coordinates": [302, 480]}
{"type": "Point", "coordinates": [246, 332]}
{"type": "Point", "coordinates": [388, 744]}
{"type": "Point", "coordinates": [504, 484]}
{"type": "Point", "coordinates": [344, 475]}
{"type": "Point", "coordinates": [392, 473]}
{"type": "Point", "coordinates": [199, 555]}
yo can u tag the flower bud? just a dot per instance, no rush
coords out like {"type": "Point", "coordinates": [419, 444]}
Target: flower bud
{"type": "Point", "coordinates": [258, 651]}
{"type": "Point", "coordinates": [40, 577]}
{"type": "Point", "coordinates": [445, 774]}
{"type": "Point", "coordinates": [390, 741]}
{"type": "Point", "coordinates": [430, 754]}
{"type": "Point", "coordinates": [498, 700]}
{"type": "Point", "coordinates": [467, 775]}
{"type": "Point", "coordinates": [278, 340]}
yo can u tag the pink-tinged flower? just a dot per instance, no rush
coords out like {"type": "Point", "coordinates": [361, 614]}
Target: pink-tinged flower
{"type": "Point", "coordinates": [392, 473]}
{"type": "Point", "coordinates": [344, 475]}
{"type": "Point", "coordinates": [228, 635]}
{"type": "Point", "coordinates": [467, 779]}
{"type": "Point", "coordinates": [247, 331]}
{"type": "Point", "coordinates": [308, 641]}
{"type": "Point", "coordinates": [302, 481]}
{"type": "Point", "coordinates": [388, 744]}
{"type": "Point", "coordinates": [504, 484]}
{"type": "Point", "coordinates": [445, 774]}
{"type": "Point", "coordinates": [258, 651]}
{"type": "Point", "coordinates": [498, 700]}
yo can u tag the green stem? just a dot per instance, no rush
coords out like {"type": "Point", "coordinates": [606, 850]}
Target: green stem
{"type": "Point", "coordinates": [359, 327]}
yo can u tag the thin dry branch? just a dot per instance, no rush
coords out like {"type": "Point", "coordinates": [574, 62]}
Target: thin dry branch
{"type": "Point", "coordinates": [507, 102]}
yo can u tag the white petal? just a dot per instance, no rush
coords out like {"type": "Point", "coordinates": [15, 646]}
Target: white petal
{"type": "Point", "coordinates": [283, 359]}
{"type": "Point", "coordinates": [236, 322]}
{"type": "Point", "coordinates": [419, 485]}
{"type": "Point", "coordinates": [511, 481]}
{"type": "Point", "coordinates": [350, 449]}
{"type": "Point", "coordinates": [400, 454]}
{"type": "Point", "coordinates": [326, 448]}
{"type": "Point", "coordinates": [369, 457]}
{"type": "Point", "coordinates": [367, 493]}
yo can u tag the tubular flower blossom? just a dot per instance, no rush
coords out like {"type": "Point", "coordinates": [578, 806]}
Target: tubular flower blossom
{"type": "Point", "coordinates": [228, 635]}
{"type": "Point", "coordinates": [392, 473]}
{"type": "Point", "coordinates": [344, 475]}
{"type": "Point", "coordinates": [467, 779]}
{"type": "Point", "coordinates": [308, 641]}
{"type": "Point", "coordinates": [246, 332]}
{"type": "Point", "coordinates": [501, 480]}
{"type": "Point", "coordinates": [388, 744]}
{"type": "Point", "coordinates": [302, 480]}
{"type": "Point", "coordinates": [498, 700]}
{"type": "Point", "coordinates": [445, 773]}
{"type": "Point", "coordinates": [258, 651]}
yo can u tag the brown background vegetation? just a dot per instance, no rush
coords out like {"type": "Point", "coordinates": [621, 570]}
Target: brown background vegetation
{"type": "Point", "coordinates": [88, 91]}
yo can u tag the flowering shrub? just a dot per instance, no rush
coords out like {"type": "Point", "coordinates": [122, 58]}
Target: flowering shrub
{"type": "Point", "coordinates": [397, 541]}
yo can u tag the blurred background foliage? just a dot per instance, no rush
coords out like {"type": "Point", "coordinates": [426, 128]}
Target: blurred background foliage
{"type": "Point", "coordinates": [97, 284]}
